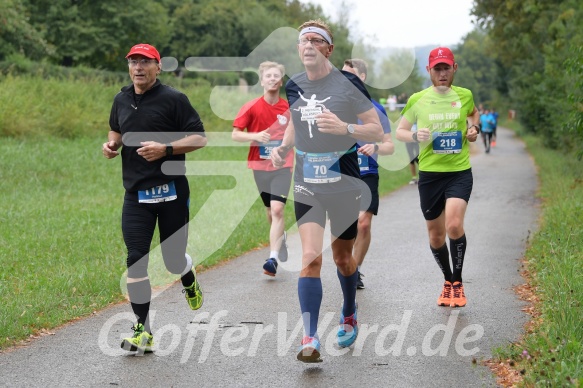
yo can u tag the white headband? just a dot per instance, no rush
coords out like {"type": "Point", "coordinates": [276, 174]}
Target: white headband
{"type": "Point", "coordinates": [317, 30]}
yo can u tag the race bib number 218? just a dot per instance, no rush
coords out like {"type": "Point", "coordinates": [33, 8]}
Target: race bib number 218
{"type": "Point", "coordinates": [447, 142]}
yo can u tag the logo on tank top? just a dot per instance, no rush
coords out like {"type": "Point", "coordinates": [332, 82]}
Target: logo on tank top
{"type": "Point", "coordinates": [282, 120]}
{"type": "Point", "coordinates": [312, 109]}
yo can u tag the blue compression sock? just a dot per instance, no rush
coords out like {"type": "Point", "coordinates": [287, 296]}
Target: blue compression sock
{"type": "Point", "coordinates": [348, 285]}
{"type": "Point", "coordinates": [310, 295]}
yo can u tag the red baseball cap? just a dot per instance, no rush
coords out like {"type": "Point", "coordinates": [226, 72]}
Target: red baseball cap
{"type": "Point", "coordinates": [440, 55]}
{"type": "Point", "coordinates": [145, 50]}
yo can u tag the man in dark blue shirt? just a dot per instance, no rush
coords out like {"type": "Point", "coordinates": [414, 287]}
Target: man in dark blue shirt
{"type": "Point", "coordinates": [369, 171]}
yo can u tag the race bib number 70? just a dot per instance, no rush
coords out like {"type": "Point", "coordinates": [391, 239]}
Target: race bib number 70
{"type": "Point", "coordinates": [318, 168]}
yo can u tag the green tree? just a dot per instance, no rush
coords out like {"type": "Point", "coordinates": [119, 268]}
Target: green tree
{"type": "Point", "coordinates": [17, 34]}
{"type": "Point", "coordinates": [400, 72]}
{"type": "Point", "coordinates": [209, 29]}
{"type": "Point", "coordinates": [297, 12]}
{"type": "Point", "coordinates": [98, 33]}
{"type": "Point", "coordinates": [477, 69]}
{"type": "Point", "coordinates": [533, 42]}
{"type": "Point", "coordinates": [574, 67]}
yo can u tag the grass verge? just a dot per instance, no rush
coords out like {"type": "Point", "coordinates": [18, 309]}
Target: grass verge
{"type": "Point", "coordinates": [551, 351]}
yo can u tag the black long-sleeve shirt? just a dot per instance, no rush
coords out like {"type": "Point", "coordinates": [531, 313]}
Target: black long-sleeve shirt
{"type": "Point", "coordinates": [161, 114]}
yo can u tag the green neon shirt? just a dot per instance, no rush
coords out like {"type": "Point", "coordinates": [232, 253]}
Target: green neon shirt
{"type": "Point", "coordinates": [445, 115]}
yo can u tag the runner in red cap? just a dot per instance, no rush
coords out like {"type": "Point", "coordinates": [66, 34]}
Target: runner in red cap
{"type": "Point", "coordinates": [153, 124]}
{"type": "Point", "coordinates": [447, 120]}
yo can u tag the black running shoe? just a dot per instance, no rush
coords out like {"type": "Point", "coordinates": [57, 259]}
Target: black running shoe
{"type": "Point", "coordinates": [359, 283]}
{"type": "Point", "coordinates": [270, 267]}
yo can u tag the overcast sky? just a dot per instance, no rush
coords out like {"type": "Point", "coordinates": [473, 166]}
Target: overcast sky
{"type": "Point", "coordinates": [407, 23]}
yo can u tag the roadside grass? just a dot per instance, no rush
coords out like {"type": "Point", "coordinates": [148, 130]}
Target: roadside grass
{"type": "Point", "coordinates": [551, 351]}
{"type": "Point", "coordinates": [59, 234]}
{"type": "Point", "coordinates": [33, 106]}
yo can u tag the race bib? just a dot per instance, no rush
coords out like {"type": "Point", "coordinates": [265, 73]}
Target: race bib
{"type": "Point", "coordinates": [318, 168]}
{"type": "Point", "coordinates": [266, 148]}
{"type": "Point", "coordinates": [363, 162]}
{"type": "Point", "coordinates": [162, 193]}
{"type": "Point", "coordinates": [447, 142]}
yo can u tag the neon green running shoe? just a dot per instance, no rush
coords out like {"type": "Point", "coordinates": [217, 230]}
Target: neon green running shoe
{"type": "Point", "coordinates": [141, 340]}
{"type": "Point", "coordinates": [194, 295]}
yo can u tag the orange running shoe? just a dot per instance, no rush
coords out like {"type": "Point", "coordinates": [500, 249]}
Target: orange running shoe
{"type": "Point", "coordinates": [445, 297]}
{"type": "Point", "coordinates": [493, 143]}
{"type": "Point", "coordinates": [459, 297]}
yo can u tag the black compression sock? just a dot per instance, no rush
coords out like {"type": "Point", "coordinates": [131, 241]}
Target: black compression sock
{"type": "Point", "coordinates": [187, 279]}
{"type": "Point", "coordinates": [441, 256]}
{"type": "Point", "coordinates": [458, 252]}
{"type": "Point", "coordinates": [140, 294]}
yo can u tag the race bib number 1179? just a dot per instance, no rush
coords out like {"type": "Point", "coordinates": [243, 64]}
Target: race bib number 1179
{"type": "Point", "coordinates": [162, 193]}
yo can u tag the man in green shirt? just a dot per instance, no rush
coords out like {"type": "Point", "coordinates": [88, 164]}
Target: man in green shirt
{"type": "Point", "coordinates": [447, 120]}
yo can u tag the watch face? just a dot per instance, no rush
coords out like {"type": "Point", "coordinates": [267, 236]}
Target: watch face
{"type": "Point", "coordinates": [350, 128]}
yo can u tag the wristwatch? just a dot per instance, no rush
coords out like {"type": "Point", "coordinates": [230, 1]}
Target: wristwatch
{"type": "Point", "coordinates": [169, 149]}
{"type": "Point", "coordinates": [414, 136]}
{"type": "Point", "coordinates": [350, 128]}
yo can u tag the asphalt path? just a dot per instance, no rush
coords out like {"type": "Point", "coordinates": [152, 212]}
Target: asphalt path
{"type": "Point", "coordinates": [248, 330]}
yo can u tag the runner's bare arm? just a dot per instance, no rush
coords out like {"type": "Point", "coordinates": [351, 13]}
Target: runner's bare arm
{"type": "Point", "coordinates": [240, 135]}
{"type": "Point", "coordinates": [278, 153]}
{"type": "Point", "coordinates": [405, 134]}
{"type": "Point", "coordinates": [473, 121]}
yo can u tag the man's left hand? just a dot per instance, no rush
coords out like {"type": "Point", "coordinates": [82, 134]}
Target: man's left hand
{"type": "Point", "coordinates": [152, 150]}
{"type": "Point", "coordinates": [328, 122]}
{"type": "Point", "coordinates": [367, 149]}
{"type": "Point", "coordinates": [472, 134]}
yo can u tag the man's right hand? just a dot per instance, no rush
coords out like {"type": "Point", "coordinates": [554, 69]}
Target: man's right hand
{"type": "Point", "coordinates": [278, 156]}
{"type": "Point", "coordinates": [110, 149]}
{"type": "Point", "coordinates": [262, 137]}
{"type": "Point", "coordinates": [423, 134]}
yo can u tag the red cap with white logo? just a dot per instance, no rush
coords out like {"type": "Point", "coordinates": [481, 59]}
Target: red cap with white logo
{"type": "Point", "coordinates": [440, 55]}
{"type": "Point", "coordinates": [146, 50]}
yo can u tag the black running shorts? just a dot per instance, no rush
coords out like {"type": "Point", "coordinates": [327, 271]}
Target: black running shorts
{"type": "Point", "coordinates": [273, 185]}
{"type": "Point", "coordinates": [369, 202]}
{"type": "Point", "coordinates": [342, 209]}
{"type": "Point", "coordinates": [436, 187]}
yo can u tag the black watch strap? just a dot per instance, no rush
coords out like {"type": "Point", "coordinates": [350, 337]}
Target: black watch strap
{"type": "Point", "coordinates": [169, 149]}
